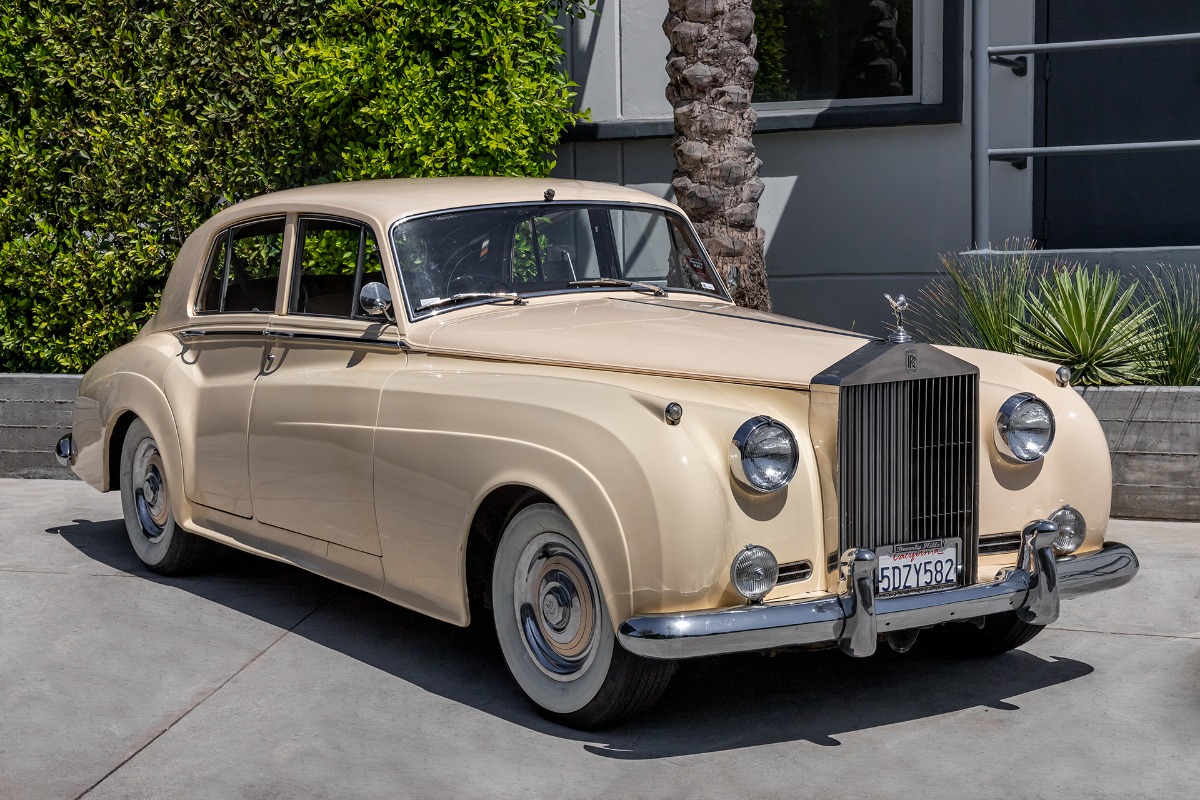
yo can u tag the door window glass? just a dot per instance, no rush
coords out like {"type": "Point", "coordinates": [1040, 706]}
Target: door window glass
{"type": "Point", "coordinates": [214, 276]}
{"type": "Point", "coordinates": [335, 259]}
{"type": "Point", "coordinates": [252, 269]}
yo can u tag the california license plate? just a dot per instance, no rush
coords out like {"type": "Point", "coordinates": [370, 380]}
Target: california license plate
{"type": "Point", "coordinates": [918, 566]}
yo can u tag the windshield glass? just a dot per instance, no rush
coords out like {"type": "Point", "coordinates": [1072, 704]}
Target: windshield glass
{"type": "Point", "coordinates": [546, 248]}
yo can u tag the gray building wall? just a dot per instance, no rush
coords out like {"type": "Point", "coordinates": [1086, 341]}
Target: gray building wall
{"type": "Point", "coordinates": [849, 213]}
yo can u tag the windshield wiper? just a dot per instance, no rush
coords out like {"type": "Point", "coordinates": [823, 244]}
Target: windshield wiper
{"type": "Point", "coordinates": [657, 291]}
{"type": "Point", "coordinates": [517, 299]}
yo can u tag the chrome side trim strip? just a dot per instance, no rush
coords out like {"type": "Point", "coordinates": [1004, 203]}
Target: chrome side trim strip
{"type": "Point", "coordinates": [300, 336]}
{"type": "Point", "coordinates": [195, 333]}
{"type": "Point", "coordinates": [853, 618]}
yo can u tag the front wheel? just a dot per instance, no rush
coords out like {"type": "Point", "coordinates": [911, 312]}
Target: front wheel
{"type": "Point", "coordinates": [999, 634]}
{"type": "Point", "coordinates": [146, 500]}
{"type": "Point", "coordinates": [554, 628]}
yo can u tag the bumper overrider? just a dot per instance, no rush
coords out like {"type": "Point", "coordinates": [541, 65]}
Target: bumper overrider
{"type": "Point", "coordinates": [854, 618]}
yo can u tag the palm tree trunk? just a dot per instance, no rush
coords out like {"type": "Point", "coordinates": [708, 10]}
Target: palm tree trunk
{"type": "Point", "coordinates": [710, 73]}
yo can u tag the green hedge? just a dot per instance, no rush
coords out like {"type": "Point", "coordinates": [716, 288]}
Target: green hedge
{"type": "Point", "coordinates": [124, 125]}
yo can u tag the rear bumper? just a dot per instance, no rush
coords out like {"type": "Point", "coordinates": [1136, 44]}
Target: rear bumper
{"type": "Point", "coordinates": [854, 618]}
{"type": "Point", "coordinates": [65, 452]}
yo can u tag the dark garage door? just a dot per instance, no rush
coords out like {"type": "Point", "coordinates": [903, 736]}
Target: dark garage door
{"type": "Point", "coordinates": [1124, 95]}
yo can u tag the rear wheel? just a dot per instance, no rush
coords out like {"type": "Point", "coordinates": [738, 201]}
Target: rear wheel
{"type": "Point", "coordinates": [554, 628]}
{"type": "Point", "coordinates": [146, 500]}
{"type": "Point", "coordinates": [1000, 633]}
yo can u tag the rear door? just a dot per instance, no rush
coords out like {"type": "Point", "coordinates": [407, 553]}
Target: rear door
{"type": "Point", "coordinates": [211, 384]}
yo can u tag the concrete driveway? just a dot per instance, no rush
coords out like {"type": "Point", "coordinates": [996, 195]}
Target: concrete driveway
{"type": "Point", "coordinates": [261, 681]}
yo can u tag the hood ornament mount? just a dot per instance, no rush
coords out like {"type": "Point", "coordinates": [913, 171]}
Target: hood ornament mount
{"type": "Point", "coordinates": [899, 305]}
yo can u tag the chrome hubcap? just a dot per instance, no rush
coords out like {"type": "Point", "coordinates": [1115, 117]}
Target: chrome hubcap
{"type": "Point", "coordinates": [150, 495]}
{"type": "Point", "coordinates": [556, 603]}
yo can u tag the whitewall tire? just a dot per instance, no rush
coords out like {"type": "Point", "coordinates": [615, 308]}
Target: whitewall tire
{"type": "Point", "coordinates": [555, 631]}
{"type": "Point", "coordinates": [146, 500]}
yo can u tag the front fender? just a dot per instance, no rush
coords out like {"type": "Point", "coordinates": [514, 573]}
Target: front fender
{"type": "Point", "coordinates": [653, 502]}
{"type": "Point", "coordinates": [445, 440]}
{"type": "Point", "coordinates": [1076, 471]}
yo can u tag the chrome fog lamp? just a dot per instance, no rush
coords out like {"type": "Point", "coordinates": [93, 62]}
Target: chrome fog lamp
{"type": "Point", "coordinates": [1024, 427]}
{"type": "Point", "coordinates": [763, 455]}
{"type": "Point", "coordinates": [1071, 529]}
{"type": "Point", "coordinates": [754, 572]}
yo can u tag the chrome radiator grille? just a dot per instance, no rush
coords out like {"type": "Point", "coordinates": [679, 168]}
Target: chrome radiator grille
{"type": "Point", "coordinates": [907, 460]}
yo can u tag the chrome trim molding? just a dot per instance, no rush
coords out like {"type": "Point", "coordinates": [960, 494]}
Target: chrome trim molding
{"type": "Point", "coordinates": [314, 336]}
{"type": "Point", "coordinates": [795, 571]}
{"type": "Point", "coordinates": [65, 452]}
{"type": "Point", "coordinates": [195, 333]}
{"type": "Point", "coordinates": [853, 618]}
{"type": "Point", "coordinates": [297, 335]}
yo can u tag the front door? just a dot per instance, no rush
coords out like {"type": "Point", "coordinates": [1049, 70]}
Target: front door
{"type": "Point", "coordinates": [312, 422]}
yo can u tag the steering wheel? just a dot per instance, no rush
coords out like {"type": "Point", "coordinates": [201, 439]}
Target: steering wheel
{"type": "Point", "coordinates": [462, 256]}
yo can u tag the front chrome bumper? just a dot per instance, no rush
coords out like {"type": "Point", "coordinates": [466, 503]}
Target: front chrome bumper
{"type": "Point", "coordinates": [854, 618]}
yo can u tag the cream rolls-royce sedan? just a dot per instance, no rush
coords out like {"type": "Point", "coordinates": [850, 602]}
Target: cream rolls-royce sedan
{"type": "Point", "coordinates": [532, 400]}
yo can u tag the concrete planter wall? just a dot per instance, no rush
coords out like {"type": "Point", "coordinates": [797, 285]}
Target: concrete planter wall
{"type": "Point", "coordinates": [1154, 435]}
{"type": "Point", "coordinates": [35, 410]}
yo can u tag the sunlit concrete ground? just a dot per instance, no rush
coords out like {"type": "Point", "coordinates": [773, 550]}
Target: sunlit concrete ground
{"type": "Point", "coordinates": [257, 680]}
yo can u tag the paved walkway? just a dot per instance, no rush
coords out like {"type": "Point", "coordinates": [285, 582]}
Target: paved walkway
{"type": "Point", "coordinates": [261, 681]}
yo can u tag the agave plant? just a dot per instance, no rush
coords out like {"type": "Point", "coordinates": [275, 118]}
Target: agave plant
{"type": "Point", "coordinates": [1079, 317]}
{"type": "Point", "coordinates": [1175, 294]}
{"type": "Point", "coordinates": [980, 299]}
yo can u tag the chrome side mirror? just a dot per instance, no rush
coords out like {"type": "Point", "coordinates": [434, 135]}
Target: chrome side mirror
{"type": "Point", "coordinates": [376, 301]}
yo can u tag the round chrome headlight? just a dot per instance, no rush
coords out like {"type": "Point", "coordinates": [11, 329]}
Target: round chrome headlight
{"type": "Point", "coordinates": [1071, 529]}
{"type": "Point", "coordinates": [754, 572]}
{"type": "Point", "coordinates": [1024, 427]}
{"type": "Point", "coordinates": [763, 455]}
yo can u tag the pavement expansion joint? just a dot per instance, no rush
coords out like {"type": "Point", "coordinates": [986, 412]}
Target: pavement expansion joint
{"type": "Point", "coordinates": [69, 572]}
{"type": "Point", "coordinates": [1129, 633]}
{"type": "Point", "coordinates": [203, 699]}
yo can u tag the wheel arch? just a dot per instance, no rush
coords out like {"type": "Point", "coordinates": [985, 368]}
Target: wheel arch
{"type": "Point", "coordinates": [117, 430]}
{"type": "Point", "coordinates": [491, 517]}
{"type": "Point", "coordinates": [128, 396]}
{"type": "Point", "coordinates": [562, 482]}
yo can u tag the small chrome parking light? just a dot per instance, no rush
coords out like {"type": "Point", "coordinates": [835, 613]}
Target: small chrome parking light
{"type": "Point", "coordinates": [754, 572]}
{"type": "Point", "coordinates": [1072, 528]}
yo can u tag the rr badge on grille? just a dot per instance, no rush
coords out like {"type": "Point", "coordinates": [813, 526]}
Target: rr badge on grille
{"type": "Point", "coordinates": [910, 361]}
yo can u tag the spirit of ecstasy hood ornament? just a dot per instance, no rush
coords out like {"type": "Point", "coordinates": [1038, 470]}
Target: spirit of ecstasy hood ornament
{"type": "Point", "coordinates": [899, 306]}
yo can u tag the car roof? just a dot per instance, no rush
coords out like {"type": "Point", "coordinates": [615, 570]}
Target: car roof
{"type": "Point", "coordinates": [380, 203]}
{"type": "Point", "coordinates": [385, 201]}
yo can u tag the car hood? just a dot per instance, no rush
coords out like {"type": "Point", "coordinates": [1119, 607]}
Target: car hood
{"type": "Point", "coordinates": [684, 338]}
